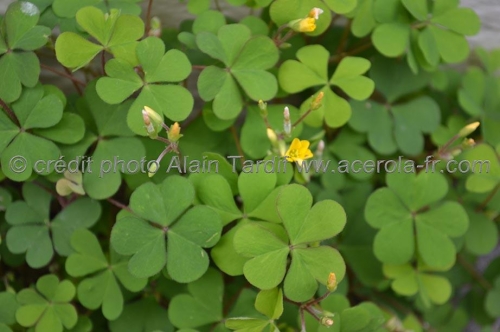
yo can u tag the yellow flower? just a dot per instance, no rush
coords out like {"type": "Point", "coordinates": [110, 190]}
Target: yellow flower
{"type": "Point", "coordinates": [298, 151]}
{"type": "Point", "coordinates": [303, 25]}
{"type": "Point", "coordinates": [307, 25]}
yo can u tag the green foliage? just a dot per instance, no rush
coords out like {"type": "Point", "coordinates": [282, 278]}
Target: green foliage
{"type": "Point", "coordinates": [246, 59]}
{"type": "Point", "coordinates": [19, 66]}
{"type": "Point", "coordinates": [47, 307]}
{"type": "Point", "coordinates": [160, 214]}
{"type": "Point", "coordinates": [312, 165]}
{"type": "Point", "coordinates": [35, 233]}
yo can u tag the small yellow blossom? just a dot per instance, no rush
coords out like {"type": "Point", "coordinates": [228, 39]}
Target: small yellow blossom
{"type": "Point", "coordinates": [152, 122]}
{"type": "Point", "coordinates": [298, 151]}
{"type": "Point", "coordinates": [307, 25]}
{"type": "Point", "coordinates": [174, 134]}
{"type": "Point", "coordinates": [331, 283]}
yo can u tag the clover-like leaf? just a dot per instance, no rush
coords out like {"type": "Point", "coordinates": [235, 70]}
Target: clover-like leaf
{"type": "Point", "coordinates": [115, 153]}
{"type": "Point", "coordinates": [8, 308]}
{"type": "Point", "coordinates": [485, 169]}
{"type": "Point", "coordinates": [492, 300]}
{"type": "Point", "coordinates": [100, 288]}
{"type": "Point", "coordinates": [69, 8]}
{"type": "Point", "coordinates": [47, 308]}
{"type": "Point", "coordinates": [269, 245]}
{"type": "Point", "coordinates": [396, 124]}
{"type": "Point", "coordinates": [143, 315]}
{"type": "Point", "coordinates": [202, 305]}
{"type": "Point", "coordinates": [413, 220]}
{"type": "Point", "coordinates": [19, 66]}
{"type": "Point", "coordinates": [34, 233]}
{"type": "Point", "coordinates": [258, 192]}
{"type": "Point", "coordinates": [477, 96]}
{"type": "Point", "coordinates": [22, 147]}
{"type": "Point", "coordinates": [167, 230]}
{"type": "Point", "coordinates": [408, 281]}
{"type": "Point", "coordinates": [171, 100]}
{"type": "Point", "coordinates": [437, 36]}
{"type": "Point", "coordinates": [116, 34]}
{"type": "Point", "coordinates": [246, 59]}
{"type": "Point", "coordinates": [312, 70]}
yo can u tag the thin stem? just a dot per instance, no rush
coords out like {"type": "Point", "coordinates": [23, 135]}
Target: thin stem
{"type": "Point", "coordinates": [163, 140]}
{"type": "Point", "coordinates": [217, 6]}
{"type": "Point", "coordinates": [344, 38]}
{"type": "Point", "coordinates": [165, 127]}
{"type": "Point", "coordinates": [148, 16]}
{"type": "Point", "coordinates": [10, 113]}
{"type": "Point", "coordinates": [199, 67]}
{"type": "Point", "coordinates": [77, 87]}
{"type": "Point", "coordinates": [62, 74]}
{"type": "Point", "coordinates": [162, 154]}
{"type": "Point", "coordinates": [61, 200]}
{"type": "Point", "coordinates": [488, 199]}
{"type": "Point", "coordinates": [319, 299]}
{"type": "Point", "coordinates": [474, 274]}
{"type": "Point", "coordinates": [354, 51]}
{"type": "Point", "coordinates": [286, 37]}
{"type": "Point", "coordinates": [448, 144]}
{"type": "Point", "coordinates": [103, 63]}
{"type": "Point", "coordinates": [120, 205]}
{"type": "Point", "coordinates": [302, 117]}
{"type": "Point", "coordinates": [238, 144]}
{"type": "Point", "coordinates": [302, 320]}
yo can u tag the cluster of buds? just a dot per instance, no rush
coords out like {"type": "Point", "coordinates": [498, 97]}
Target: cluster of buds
{"type": "Point", "coordinates": [307, 24]}
{"type": "Point", "coordinates": [153, 123]}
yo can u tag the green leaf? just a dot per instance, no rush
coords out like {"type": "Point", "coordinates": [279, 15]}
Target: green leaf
{"type": "Point", "coordinates": [202, 305]}
{"type": "Point", "coordinates": [51, 312]}
{"type": "Point", "coordinates": [270, 303]}
{"type": "Point", "coordinates": [391, 39]}
{"type": "Point", "coordinates": [116, 33]}
{"type": "Point", "coordinates": [187, 230]}
{"type": "Point", "coordinates": [18, 68]}
{"type": "Point", "coordinates": [246, 59]}
{"type": "Point", "coordinates": [341, 6]}
{"type": "Point", "coordinates": [99, 289]}
{"type": "Point", "coordinates": [143, 315]}
{"type": "Point", "coordinates": [460, 20]}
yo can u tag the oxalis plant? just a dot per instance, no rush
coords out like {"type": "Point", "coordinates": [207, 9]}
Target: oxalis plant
{"type": "Point", "coordinates": [312, 165]}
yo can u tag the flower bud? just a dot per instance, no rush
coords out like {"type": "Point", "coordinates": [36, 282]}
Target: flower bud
{"type": "Point", "coordinates": [153, 168]}
{"type": "Point", "coordinates": [152, 121]}
{"type": "Point", "coordinates": [287, 124]}
{"type": "Point", "coordinates": [315, 12]}
{"type": "Point", "coordinates": [155, 30]}
{"type": "Point", "coordinates": [316, 102]}
{"type": "Point", "coordinates": [303, 25]}
{"type": "Point", "coordinates": [321, 148]}
{"type": "Point", "coordinates": [468, 143]}
{"type": "Point", "coordinates": [326, 321]}
{"type": "Point", "coordinates": [174, 134]}
{"type": "Point", "coordinates": [331, 283]}
{"type": "Point", "coordinates": [263, 108]}
{"type": "Point", "coordinates": [469, 129]}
